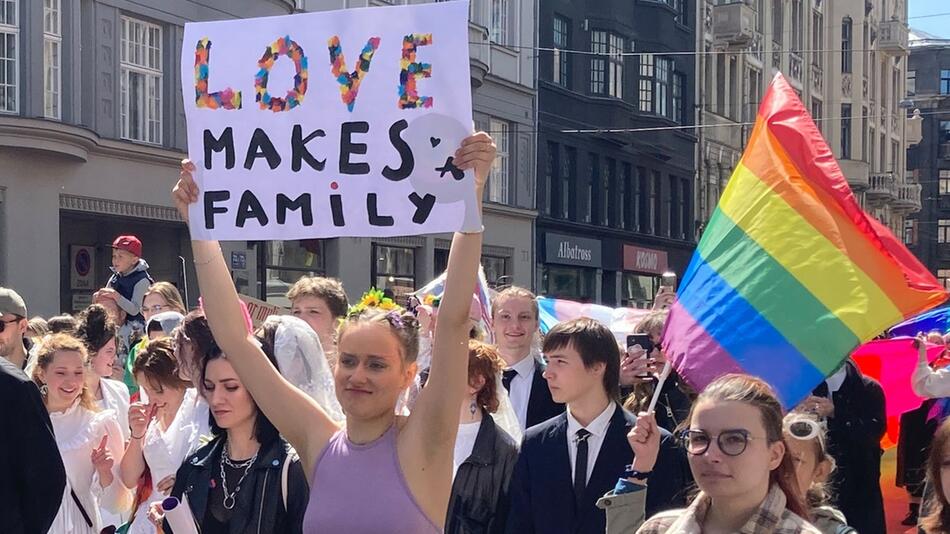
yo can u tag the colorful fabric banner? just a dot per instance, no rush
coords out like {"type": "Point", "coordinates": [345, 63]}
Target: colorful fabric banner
{"type": "Point", "coordinates": [436, 287]}
{"type": "Point", "coordinates": [932, 321]}
{"type": "Point", "coordinates": [621, 321]}
{"type": "Point", "coordinates": [790, 275]}
{"type": "Point", "coordinates": [892, 362]}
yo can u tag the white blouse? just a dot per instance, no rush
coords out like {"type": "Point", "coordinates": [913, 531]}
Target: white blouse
{"type": "Point", "coordinates": [165, 451]}
{"type": "Point", "coordinates": [115, 397]}
{"type": "Point", "coordinates": [79, 431]}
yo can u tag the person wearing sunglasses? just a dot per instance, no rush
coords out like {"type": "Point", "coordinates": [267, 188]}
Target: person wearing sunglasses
{"type": "Point", "coordinates": [13, 325]}
{"type": "Point", "coordinates": [737, 454]}
{"type": "Point", "coordinates": [806, 439]}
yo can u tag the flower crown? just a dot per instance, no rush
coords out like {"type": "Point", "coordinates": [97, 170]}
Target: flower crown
{"type": "Point", "coordinates": [374, 298]}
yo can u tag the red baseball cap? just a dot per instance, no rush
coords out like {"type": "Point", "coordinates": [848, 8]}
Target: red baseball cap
{"type": "Point", "coordinates": [128, 243]}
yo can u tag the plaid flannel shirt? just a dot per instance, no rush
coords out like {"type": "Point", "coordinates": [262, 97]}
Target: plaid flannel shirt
{"type": "Point", "coordinates": [771, 518]}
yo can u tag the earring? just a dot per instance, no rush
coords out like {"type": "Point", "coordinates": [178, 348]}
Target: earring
{"type": "Point", "coordinates": [44, 390]}
{"type": "Point", "coordinates": [472, 408]}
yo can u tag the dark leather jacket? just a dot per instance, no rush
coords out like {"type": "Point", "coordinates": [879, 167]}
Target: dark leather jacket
{"type": "Point", "coordinates": [479, 500]}
{"type": "Point", "coordinates": [260, 507]}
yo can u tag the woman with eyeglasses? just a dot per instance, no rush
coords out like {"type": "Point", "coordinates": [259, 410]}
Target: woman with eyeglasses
{"type": "Point", "coordinates": [161, 297]}
{"type": "Point", "coordinates": [806, 439]}
{"type": "Point", "coordinates": [737, 454]}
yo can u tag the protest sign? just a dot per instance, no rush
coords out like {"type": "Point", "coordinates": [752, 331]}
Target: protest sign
{"type": "Point", "coordinates": [340, 123]}
{"type": "Point", "coordinates": [259, 310]}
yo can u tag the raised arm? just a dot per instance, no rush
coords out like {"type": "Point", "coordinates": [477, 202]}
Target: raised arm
{"type": "Point", "coordinates": [433, 425]}
{"type": "Point", "coordinates": [298, 417]}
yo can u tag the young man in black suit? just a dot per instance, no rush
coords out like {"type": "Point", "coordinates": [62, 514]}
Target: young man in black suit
{"type": "Point", "coordinates": [570, 461]}
{"type": "Point", "coordinates": [515, 324]}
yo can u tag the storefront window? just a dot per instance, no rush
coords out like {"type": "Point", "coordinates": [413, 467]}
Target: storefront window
{"type": "Point", "coordinates": [573, 283]}
{"type": "Point", "coordinates": [496, 271]}
{"type": "Point", "coordinates": [639, 290]}
{"type": "Point", "coordinates": [394, 268]}
{"type": "Point", "coordinates": [285, 262]}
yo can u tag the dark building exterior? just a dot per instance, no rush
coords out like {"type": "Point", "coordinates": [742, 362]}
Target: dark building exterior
{"type": "Point", "coordinates": [615, 208]}
{"type": "Point", "coordinates": [927, 233]}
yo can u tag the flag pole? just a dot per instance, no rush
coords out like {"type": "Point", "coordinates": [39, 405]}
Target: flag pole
{"type": "Point", "coordinates": [659, 386]}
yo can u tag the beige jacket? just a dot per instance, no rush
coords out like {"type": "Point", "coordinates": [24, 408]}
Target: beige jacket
{"type": "Point", "coordinates": [625, 512]}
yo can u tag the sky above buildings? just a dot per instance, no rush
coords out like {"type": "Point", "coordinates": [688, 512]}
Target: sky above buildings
{"type": "Point", "coordinates": [918, 16]}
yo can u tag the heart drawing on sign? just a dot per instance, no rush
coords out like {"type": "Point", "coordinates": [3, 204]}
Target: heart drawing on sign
{"type": "Point", "coordinates": [435, 141]}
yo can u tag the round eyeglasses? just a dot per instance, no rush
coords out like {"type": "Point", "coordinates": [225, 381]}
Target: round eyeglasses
{"type": "Point", "coordinates": [730, 442]}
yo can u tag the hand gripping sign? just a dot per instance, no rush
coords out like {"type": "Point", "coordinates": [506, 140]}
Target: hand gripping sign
{"type": "Point", "coordinates": [340, 123]}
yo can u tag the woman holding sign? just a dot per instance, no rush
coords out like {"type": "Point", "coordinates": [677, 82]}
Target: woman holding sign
{"type": "Point", "coordinates": [89, 440]}
{"type": "Point", "coordinates": [380, 472]}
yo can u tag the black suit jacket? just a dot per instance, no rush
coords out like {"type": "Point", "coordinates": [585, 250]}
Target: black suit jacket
{"type": "Point", "coordinates": [542, 491]}
{"type": "Point", "coordinates": [541, 406]}
{"type": "Point", "coordinates": [32, 476]}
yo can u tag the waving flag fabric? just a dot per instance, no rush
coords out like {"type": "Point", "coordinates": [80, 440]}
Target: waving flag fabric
{"type": "Point", "coordinates": [621, 321]}
{"type": "Point", "coordinates": [937, 320]}
{"type": "Point", "coordinates": [790, 275]}
{"type": "Point", "coordinates": [436, 287]}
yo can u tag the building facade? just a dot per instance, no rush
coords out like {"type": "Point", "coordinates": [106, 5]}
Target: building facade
{"type": "Point", "coordinates": [846, 59]}
{"type": "Point", "coordinates": [91, 135]}
{"type": "Point", "coordinates": [501, 36]}
{"type": "Point", "coordinates": [928, 88]}
{"type": "Point", "coordinates": [615, 163]}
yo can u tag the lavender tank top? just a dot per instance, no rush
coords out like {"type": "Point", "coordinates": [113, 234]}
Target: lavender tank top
{"type": "Point", "coordinates": [360, 489]}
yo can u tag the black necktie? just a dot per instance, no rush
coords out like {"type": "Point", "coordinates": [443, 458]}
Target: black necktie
{"type": "Point", "coordinates": [506, 376]}
{"type": "Point", "coordinates": [580, 466]}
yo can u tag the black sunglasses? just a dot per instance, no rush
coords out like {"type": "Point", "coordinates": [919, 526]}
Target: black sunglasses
{"type": "Point", "coordinates": [3, 324]}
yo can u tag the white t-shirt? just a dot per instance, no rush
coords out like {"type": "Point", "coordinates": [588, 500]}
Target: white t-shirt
{"type": "Point", "coordinates": [464, 444]}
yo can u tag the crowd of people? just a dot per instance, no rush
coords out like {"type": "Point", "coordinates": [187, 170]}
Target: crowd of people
{"type": "Point", "coordinates": [398, 417]}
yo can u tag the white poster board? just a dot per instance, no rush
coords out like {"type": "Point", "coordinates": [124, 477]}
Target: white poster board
{"type": "Point", "coordinates": [330, 124]}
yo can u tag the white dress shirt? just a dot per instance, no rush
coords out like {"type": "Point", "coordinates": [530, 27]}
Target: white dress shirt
{"type": "Point", "coordinates": [597, 429]}
{"type": "Point", "coordinates": [520, 387]}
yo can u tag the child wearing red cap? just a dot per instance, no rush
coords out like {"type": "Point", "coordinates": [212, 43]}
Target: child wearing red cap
{"type": "Point", "coordinates": [130, 279]}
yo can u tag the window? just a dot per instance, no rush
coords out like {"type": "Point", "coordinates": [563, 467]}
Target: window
{"type": "Point", "coordinates": [608, 184]}
{"type": "Point", "coordinates": [496, 271]}
{"type": "Point", "coordinates": [645, 200]}
{"type": "Point", "coordinates": [664, 72]}
{"type": "Point", "coordinates": [498, 179]}
{"type": "Point", "coordinates": [910, 232]}
{"type": "Point", "coordinates": [682, 11]}
{"type": "Point", "coordinates": [598, 64]}
{"type": "Point", "coordinates": [945, 82]}
{"type": "Point", "coordinates": [943, 231]}
{"type": "Point", "coordinates": [798, 26]}
{"type": "Point", "coordinates": [943, 275]}
{"type": "Point", "coordinates": [944, 182]}
{"type": "Point", "coordinates": [817, 33]}
{"type": "Point", "coordinates": [911, 83]}
{"type": "Point", "coordinates": [845, 131]}
{"type": "Point", "coordinates": [9, 54]}
{"type": "Point", "coordinates": [735, 97]}
{"type": "Point", "coordinates": [606, 70]}
{"type": "Point", "coordinates": [720, 84]}
{"type": "Point", "coordinates": [846, 45]}
{"type": "Point", "coordinates": [646, 82]}
{"type": "Point", "coordinates": [52, 46]}
{"type": "Point", "coordinates": [675, 208]}
{"type": "Point", "coordinates": [679, 103]}
{"type": "Point", "coordinates": [816, 112]}
{"type": "Point", "coordinates": [865, 134]}
{"type": "Point", "coordinates": [568, 282]}
{"type": "Point", "coordinates": [394, 269]}
{"type": "Point", "coordinates": [655, 198]}
{"type": "Point", "coordinates": [285, 262]}
{"type": "Point", "coordinates": [944, 136]}
{"type": "Point", "coordinates": [710, 63]}
{"type": "Point", "coordinates": [546, 193]}
{"type": "Point", "coordinates": [562, 41]}
{"type": "Point", "coordinates": [587, 194]}
{"type": "Point", "coordinates": [686, 209]}
{"type": "Point", "coordinates": [628, 206]}
{"type": "Point", "coordinates": [568, 190]}
{"type": "Point", "coordinates": [895, 156]}
{"type": "Point", "coordinates": [620, 197]}
{"type": "Point", "coordinates": [751, 100]}
{"type": "Point", "coordinates": [778, 22]}
{"type": "Point", "coordinates": [499, 22]}
{"type": "Point", "coordinates": [140, 80]}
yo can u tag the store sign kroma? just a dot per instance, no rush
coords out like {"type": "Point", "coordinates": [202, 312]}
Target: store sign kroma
{"type": "Point", "coordinates": [341, 123]}
{"type": "Point", "coordinates": [644, 260]}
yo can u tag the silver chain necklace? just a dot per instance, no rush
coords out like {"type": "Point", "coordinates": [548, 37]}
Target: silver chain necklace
{"type": "Point", "coordinates": [245, 465]}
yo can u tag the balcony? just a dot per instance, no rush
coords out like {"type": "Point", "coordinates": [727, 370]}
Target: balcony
{"type": "Point", "coordinates": [908, 199]}
{"type": "Point", "coordinates": [882, 188]}
{"type": "Point", "coordinates": [479, 53]}
{"type": "Point", "coordinates": [856, 172]}
{"type": "Point", "coordinates": [892, 38]}
{"type": "Point", "coordinates": [733, 25]}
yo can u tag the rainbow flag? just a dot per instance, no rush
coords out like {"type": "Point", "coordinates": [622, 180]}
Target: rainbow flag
{"type": "Point", "coordinates": [790, 275]}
